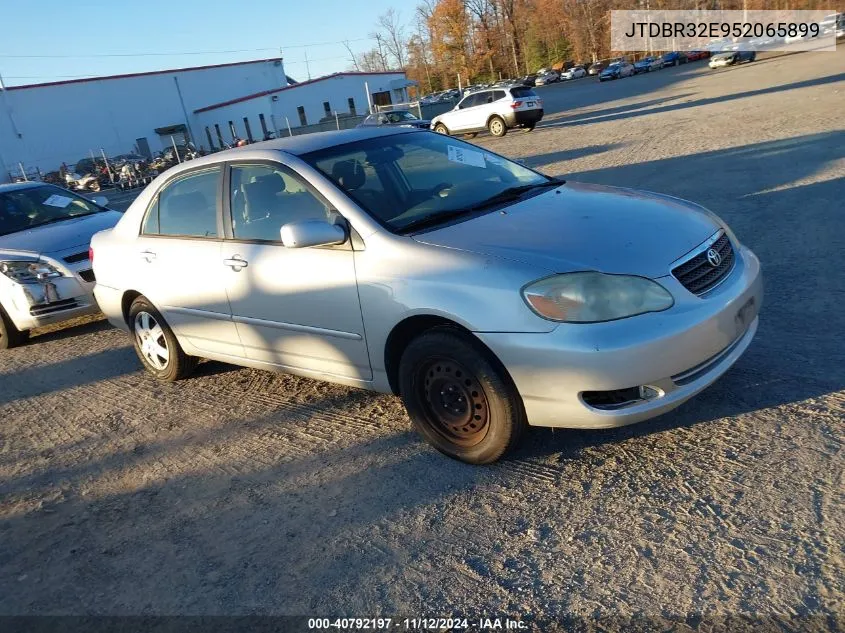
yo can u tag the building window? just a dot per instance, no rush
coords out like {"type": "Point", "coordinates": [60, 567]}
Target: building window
{"type": "Point", "coordinates": [232, 130]}
{"type": "Point", "coordinates": [210, 141]}
{"type": "Point", "coordinates": [248, 130]}
{"type": "Point", "coordinates": [327, 108]}
{"type": "Point", "coordinates": [351, 102]}
{"type": "Point", "coordinates": [219, 136]}
{"type": "Point", "coordinates": [263, 125]}
{"type": "Point", "coordinates": [300, 110]}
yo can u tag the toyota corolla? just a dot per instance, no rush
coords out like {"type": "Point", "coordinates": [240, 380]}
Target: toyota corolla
{"type": "Point", "coordinates": [490, 297]}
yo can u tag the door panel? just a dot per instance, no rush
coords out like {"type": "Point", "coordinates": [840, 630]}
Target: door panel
{"type": "Point", "coordinates": [179, 262]}
{"type": "Point", "coordinates": [296, 308]}
{"type": "Point", "coordinates": [299, 308]}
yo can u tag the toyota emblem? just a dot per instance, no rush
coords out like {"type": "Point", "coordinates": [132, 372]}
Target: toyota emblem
{"type": "Point", "coordinates": [714, 258]}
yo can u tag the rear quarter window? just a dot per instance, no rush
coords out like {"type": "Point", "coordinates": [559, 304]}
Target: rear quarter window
{"type": "Point", "coordinates": [520, 92]}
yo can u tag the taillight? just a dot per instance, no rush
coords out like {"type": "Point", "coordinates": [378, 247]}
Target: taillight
{"type": "Point", "coordinates": [516, 104]}
{"type": "Point", "coordinates": [91, 254]}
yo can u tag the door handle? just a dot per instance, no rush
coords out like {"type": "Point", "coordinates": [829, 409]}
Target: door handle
{"type": "Point", "coordinates": [236, 263]}
{"type": "Point", "coordinates": [148, 255]}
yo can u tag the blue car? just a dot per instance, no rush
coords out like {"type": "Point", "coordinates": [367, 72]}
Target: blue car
{"type": "Point", "coordinates": [674, 59]}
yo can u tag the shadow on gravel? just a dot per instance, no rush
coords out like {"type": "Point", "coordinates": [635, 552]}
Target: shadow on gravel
{"type": "Point", "coordinates": [540, 160]}
{"type": "Point", "coordinates": [642, 109]}
{"type": "Point", "coordinates": [69, 332]}
{"type": "Point", "coordinates": [795, 226]}
{"type": "Point", "coordinates": [66, 374]}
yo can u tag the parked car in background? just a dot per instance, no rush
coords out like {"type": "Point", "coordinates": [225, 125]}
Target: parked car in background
{"type": "Point", "coordinates": [402, 118]}
{"type": "Point", "coordinates": [548, 77]}
{"type": "Point", "coordinates": [617, 70]}
{"type": "Point", "coordinates": [694, 56]}
{"type": "Point", "coordinates": [595, 69]}
{"type": "Point", "coordinates": [573, 73]}
{"type": "Point", "coordinates": [647, 64]}
{"type": "Point", "coordinates": [527, 80]}
{"type": "Point", "coordinates": [406, 262]}
{"type": "Point", "coordinates": [674, 58]}
{"type": "Point", "coordinates": [45, 273]}
{"type": "Point", "coordinates": [496, 109]}
{"type": "Point", "coordinates": [730, 58]}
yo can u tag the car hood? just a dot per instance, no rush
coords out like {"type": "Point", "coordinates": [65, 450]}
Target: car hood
{"type": "Point", "coordinates": [59, 236]}
{"type": "Point", "coordinates": [585, 227]}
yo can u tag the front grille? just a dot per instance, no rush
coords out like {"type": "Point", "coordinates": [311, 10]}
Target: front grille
{"type": "Point", "coordinates": [56, 306]}
{"type": "Point", "coordinates": [87, 275]}
{"type": "Point", "coordinates": [78, 257]}
{"type": "Point", "coordinates": [698, 275]}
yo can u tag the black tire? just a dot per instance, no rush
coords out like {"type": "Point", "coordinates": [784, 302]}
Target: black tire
{"type": "Point", "coordinates": [445, 368]}
{"type": "Point", "coordinates": [441, 129]}
{"type": "Point", "coordinates": [10, 336]}
{"type": "Point", "coordinates": [529, 128]}
{"type": "Point", "coordinates": [497, 126]}
{"type": "Point", "coordinates": [471, 135]}
{"type": "Point", "coordinates": [178, 364]}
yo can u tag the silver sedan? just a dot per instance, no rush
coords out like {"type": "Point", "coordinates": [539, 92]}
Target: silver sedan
{"type": "Point", "coordinates": [488, 296]}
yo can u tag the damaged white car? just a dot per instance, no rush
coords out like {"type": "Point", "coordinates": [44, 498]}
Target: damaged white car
{"type": "Point", "coordinates": [45, 270]}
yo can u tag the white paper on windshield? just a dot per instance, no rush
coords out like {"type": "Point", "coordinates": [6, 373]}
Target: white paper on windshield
{"type": "Point", "coordinates": [58, 201]}
{"type": "Point", "coordinates": [466, 156]}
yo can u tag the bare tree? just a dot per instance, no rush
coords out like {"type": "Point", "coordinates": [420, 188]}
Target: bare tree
{"type": "Point", "coordinates": [352, 57]}
{"type": "Point", "coordinates": [394, 36]}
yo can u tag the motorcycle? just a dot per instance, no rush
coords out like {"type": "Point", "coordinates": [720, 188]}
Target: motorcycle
{"type": "Point", "coordinates": [88, 182]}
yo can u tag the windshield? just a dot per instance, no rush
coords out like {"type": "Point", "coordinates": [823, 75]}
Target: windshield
{"type": "Point", "coordinates": [405, 178]}
{"type": "Point", "coordinates": [23, 209]}
{"type": "Point", "coordinates": [398, 117]}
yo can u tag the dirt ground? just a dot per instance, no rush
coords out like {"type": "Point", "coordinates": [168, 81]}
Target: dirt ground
{"type": "Point", "coordinates": [242, 492]}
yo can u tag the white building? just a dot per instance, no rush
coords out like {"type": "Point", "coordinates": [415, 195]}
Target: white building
{"type": "Point", "coordinates": [44, 125]}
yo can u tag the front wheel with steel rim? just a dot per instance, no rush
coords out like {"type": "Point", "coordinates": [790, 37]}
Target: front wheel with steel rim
{"type": "Point", "coordinates": [156, 345]}
{"type": "Point", "coordinates": [441, 129]}
{"type": "Point", "coordinates": [459, 398]}
{"type": "Point", "coordinates": [497, 126]}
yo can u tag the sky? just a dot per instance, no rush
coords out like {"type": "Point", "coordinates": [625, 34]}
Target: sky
{"type": "Point", "coordinates": [52, 40]}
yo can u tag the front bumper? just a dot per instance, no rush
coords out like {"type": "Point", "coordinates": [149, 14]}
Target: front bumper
{"type": "Point", "coordinates": [676, 354]}
{"type": "Point", "coordinates": [522, 118]}
{"type": "Point", "coordinates": [37, 304]}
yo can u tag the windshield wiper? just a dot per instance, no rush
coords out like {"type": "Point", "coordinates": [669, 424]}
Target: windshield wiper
{"type": "Point", "coordinates": [511, 193]}
{"type": "Point", "coordinates": [430, 220]}
{"type": "Point", "coordinates": [514, 193]}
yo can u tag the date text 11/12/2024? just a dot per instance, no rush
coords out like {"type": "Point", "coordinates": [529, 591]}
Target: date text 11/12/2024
{"type": "Point", "coordinates": [414, 624]}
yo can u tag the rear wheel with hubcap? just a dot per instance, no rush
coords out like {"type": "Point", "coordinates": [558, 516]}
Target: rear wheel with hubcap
{"type": "Point", "coordinates": [156, 345]}
{"type": "Point", "coordinates": [497, 126]}
{"type": "Point", "coordinates": [441, 129]}
{"type": "Point", "coordinates": [458, 399]}
{"type": "Point", "coordinates": [10, 336]}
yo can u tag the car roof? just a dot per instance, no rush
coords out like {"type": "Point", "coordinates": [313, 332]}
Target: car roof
{"type": "Point", "coordinates": [17, 186]}
{"type": "Point", "coordinates": [296, 145]}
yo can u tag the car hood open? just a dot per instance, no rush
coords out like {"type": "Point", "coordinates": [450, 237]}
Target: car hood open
{"type": "Point", "coordinates": [59, 236]}
{"type": "Point", "coordinates": [585, 227]}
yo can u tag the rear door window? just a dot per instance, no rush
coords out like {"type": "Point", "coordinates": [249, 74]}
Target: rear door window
{"type": "Point", "coordinates": [521, 92]}
{"type": "Point", "coordinates": [186, 207]}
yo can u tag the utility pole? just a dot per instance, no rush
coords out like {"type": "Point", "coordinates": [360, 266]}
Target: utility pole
{"type": "Point", "coordinates": [307, 66]}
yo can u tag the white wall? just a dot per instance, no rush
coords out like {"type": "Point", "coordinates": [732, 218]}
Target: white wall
{"type": "Point", "coordinates": [335, 89]}
{"type": "Point", "coordinates": [63, 122]}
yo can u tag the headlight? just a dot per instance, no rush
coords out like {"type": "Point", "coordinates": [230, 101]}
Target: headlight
{"type": "Point", "coordinates": [590, 297]}
{"type": "Point", "coordinates": [26, 272]}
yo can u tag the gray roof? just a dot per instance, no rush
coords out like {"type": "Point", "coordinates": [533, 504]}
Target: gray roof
{"type": "Point", "coordinates": [306, 143]}
{"type": "Point", "coordinates": [16, 186]}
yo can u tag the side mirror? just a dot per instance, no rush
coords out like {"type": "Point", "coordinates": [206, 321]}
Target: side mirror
{"type": "Point", "coordinates": [307, 233]}
{"type": "Point", "coordinates": [100, 200]}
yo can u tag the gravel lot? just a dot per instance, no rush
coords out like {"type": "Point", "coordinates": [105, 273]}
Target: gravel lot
{"type": "Point", "coordinates": [242, 492]}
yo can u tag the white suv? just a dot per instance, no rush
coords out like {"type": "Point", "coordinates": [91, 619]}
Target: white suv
{"type": "Point", "coordinates": [496, 109]}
